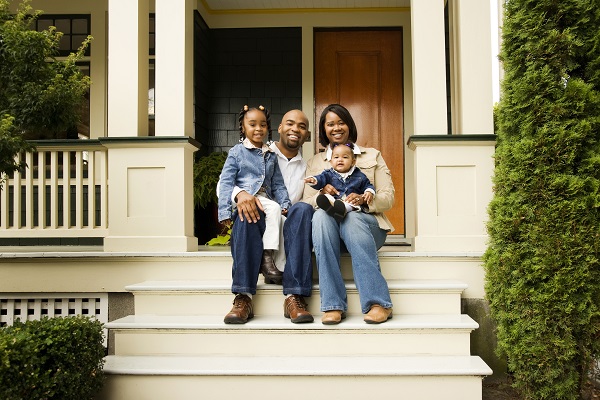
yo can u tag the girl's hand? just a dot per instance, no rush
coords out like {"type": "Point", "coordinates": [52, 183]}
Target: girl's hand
{"type": "Point", "coordinates": [367, 197]}
{"type": "Point", "coordinates": [310, 180]}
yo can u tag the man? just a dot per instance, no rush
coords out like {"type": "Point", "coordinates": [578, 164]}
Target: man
{"type": "Point", "coordinates": [297, 234]}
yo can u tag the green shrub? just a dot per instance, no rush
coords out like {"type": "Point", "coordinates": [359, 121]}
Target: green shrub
{"type": "Point", "coordinates": [53, 358]}
{"type": "Point", "coordinates": [542, 264]}
{"type": "Point", "coordinates": [206, 176]}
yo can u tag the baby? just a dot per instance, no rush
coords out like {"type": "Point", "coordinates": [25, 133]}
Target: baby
{"type": "Point", "coordinates": [346, 178]}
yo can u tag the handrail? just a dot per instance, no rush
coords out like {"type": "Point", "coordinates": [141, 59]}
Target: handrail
{"type": "Point", "coordinates": [62, 192]}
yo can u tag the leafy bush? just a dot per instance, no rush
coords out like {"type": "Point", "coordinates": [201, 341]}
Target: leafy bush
{"type": "Point", "coordinates": [53, 358]}
{"type": "Point", "coordinates": [40, 96]}
{"type": "Point", "coordinates": [206, 176]}
{"type": "Point", "coordinates": [542, 263]}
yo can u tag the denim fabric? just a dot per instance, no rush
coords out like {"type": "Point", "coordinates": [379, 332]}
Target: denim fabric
{"type": "Point", "coordinates": [361, 235]}
{"type": "Point", "coordinates": [357, 182]}
{"type": "Point", "coordinates": [246, 250]}
{"type": "Point", "coordinates": [298, 271]}
{"type": "Point", "coordinates": [249, 170]}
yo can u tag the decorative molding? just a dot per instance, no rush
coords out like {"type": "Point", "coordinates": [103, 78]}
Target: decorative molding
{"type": "Point", "coordinates": [450, 140]}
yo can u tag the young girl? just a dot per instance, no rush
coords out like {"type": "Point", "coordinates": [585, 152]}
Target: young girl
{"type": "Point", "coordinates": [252, 167]}
{"type": "Point", "coordinates": [346, 178]}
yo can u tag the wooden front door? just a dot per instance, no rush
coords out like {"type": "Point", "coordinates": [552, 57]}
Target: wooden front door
{"type": "Point", "coordinates": [362, 70]}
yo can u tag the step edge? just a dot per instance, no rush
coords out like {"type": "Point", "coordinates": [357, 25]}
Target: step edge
{"type": "Point", "coordinates": [304, 366]}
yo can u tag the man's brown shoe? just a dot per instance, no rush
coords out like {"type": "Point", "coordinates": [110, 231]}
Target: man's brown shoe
{"type": "Point", "coordinates": [333, 317]}
{"type": "Point", "coordinates": [296, 309]}
{"type": "Point", "coordinates": [269, 270]}
{"type": "Point", "coordinates": [378, 314]}
{"type": "Point", "coordinates": [241, 311]}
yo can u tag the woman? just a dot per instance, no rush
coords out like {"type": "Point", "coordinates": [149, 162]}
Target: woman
{"type": "Point", "coordinates": [362, 234]}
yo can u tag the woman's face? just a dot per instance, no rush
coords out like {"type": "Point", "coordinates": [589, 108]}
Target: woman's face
{"type": "Point", "coordinates": [336, 129]}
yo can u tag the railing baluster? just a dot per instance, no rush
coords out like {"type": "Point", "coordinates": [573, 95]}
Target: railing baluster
{"type": "Point", "coordinates": [78, 190]}
{"type": "Point", "coordinates": [29, 191]}
{"type": "Point", "coordinates": [17, 197]}
{"type": "Point", "coordinates": [103, 190]}
{"type": "Point", "coordinates": [4, 202]}
{"type": "Point", "coordinates": [54, 190]}
{"type": "Point", "coordinates": [91, 185]}
{"type": "Point", "coordinates": [66, 185]}
{"type": "Point", "coordinates": [41, 184]}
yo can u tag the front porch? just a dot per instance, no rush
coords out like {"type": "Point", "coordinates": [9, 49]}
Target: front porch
{"type": "Point", "coordinates": [163, 307]}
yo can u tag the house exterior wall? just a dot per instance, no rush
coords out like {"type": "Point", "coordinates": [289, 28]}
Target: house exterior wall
{"type": "Point", "coordinates": [424, 75]}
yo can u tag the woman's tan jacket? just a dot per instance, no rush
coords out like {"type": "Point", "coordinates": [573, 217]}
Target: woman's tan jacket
{"type": "Point", "coordinates": [372, 164]}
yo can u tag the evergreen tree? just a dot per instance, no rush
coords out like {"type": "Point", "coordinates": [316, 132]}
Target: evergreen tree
{"type": "Point", "coordinates": [542, 264]}
{"type": "Point", "coordinates": [40, 96]}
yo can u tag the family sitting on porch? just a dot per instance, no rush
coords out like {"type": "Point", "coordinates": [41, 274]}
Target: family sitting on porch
{"type": "Point", "coordinates": [305, 225]}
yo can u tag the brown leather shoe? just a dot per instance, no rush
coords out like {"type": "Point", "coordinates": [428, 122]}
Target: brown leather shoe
{"type": "Point", "coordinates": [296, 309]}
{"type": "Point", "coordinates": [333, 317]}
{"type": "Point", "coordinates": [269, 270]}
{"type": "Point", "coordinates": [378, 314]}
{"type": "Point", "coordinates": [241, 311]}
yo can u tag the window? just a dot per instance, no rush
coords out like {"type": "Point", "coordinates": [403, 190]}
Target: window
{"type": "Point", "coordinates": [75, 28]}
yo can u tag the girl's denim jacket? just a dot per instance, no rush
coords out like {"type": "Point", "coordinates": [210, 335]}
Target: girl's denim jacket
{"type": "Point", "coordinates": [250, 169]}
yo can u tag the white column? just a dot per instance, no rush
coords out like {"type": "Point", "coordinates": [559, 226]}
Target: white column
{"type": "Point", "coordinates": [128, 67]}
{"type": "Point", "coordinates": [428, 67]}
{"type": "Point", "coordinates": [174, 68]}
{"type": "Point", "coordinates": [471, 67]}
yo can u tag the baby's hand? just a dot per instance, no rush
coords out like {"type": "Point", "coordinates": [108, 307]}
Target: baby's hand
{"type": "Point", "coordinates": [284, 211]}
{"type": "Point", "coordinates": [368, 197]}
{"type": "Point", "coordinates": [310, 180]}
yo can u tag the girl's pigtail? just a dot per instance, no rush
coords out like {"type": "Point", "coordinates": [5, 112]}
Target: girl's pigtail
{"type": "Point", "coordinates": [243, 112]}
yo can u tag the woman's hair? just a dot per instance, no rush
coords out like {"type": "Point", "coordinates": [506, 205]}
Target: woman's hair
{"type": "Point", "coordinates": [243, 112]}
{"type": "Point", "coordinates": [344, 115]}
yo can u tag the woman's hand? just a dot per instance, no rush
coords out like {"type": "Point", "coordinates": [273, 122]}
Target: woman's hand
{"type": "Point", "coordinates": [355, 199]}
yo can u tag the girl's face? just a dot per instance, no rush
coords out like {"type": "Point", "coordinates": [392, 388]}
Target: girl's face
{"type": "Point", "coordinates": [336, 129]}
{"type": "Point", "coordinates": [342, 158]}
{"type": "Point", "coordinates": [255, 127]}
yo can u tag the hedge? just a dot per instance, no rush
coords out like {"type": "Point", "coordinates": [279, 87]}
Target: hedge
{"type": "Point", "coordinates": [543, 261]}
{"type": "Point", "coordinates": [52, 358]}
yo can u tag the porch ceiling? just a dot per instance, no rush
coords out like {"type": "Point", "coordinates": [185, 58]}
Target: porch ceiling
{"type": "Point", "coordinates": [238, 5]}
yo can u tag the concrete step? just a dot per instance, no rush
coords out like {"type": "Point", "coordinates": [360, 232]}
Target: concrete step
{"type": "Point", "coordinates": [86, 270]}
{"type": "Point", "coordinates": [213, 297]}
{"type": "Point", "coordinates": [276, 336]}
{"type": "Point", "coordinates": [293, 378]}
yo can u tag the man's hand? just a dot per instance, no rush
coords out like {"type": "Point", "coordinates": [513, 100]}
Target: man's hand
{"type": "Point", "coordinates": [247, 206]}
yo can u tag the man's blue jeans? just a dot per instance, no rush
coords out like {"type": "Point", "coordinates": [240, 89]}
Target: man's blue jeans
{"type": "Point", "coordinates": [297, 234]}
{"type": "Point", "coordinates": [246, 250]}
{"type": "Point", "coordinates": [361, 235]}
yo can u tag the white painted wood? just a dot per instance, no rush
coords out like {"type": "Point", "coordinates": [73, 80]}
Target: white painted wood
{"type": "Point", "coordinates": [414, 378]}
{"type": "Point", "coordinates": [214, 297]}
{"type": "Point", "coordinates": [208, 335]}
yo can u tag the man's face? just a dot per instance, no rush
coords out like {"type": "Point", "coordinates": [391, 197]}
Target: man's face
{"type": "Point", "coordinates": [293, 130]}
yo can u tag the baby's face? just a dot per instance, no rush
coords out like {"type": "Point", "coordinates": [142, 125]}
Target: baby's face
{"type": "Point", "coordinates": [342, 158]}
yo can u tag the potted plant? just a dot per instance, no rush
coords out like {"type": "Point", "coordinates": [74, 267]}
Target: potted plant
{"type": "Point", "coordinates": [206, 176]}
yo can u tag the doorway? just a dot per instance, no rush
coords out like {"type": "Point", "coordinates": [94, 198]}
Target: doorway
{"type": "Point", "coordinates": [362, 70]}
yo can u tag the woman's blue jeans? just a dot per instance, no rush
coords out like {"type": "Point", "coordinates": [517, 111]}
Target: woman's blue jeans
{"type": "Point", "coordinates": [361, 235]}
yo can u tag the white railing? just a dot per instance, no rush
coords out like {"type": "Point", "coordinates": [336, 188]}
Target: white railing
{"type": "Point", "coordinates": [62, 192]}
